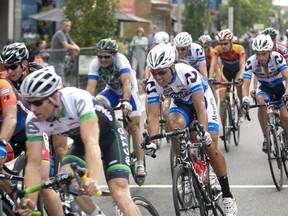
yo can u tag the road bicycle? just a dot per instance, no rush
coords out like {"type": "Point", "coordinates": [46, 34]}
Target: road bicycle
{"type": "Point", "coordinates": [277, 146]}
{"type": "Point", "coordinates": [65, 178]}
{"type": "Point", "coordinates": [139, 180]}
{"type": "Point", "coordinates": [232, 116]}
{"type": "Point", "coordinates": [162, 122]}
{"type": "Point", "coordinates": [193, 190]}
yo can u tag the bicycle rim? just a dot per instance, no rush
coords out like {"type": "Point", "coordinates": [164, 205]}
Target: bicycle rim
{"type": "Point", "coordinates": [274, 157]}
{"type": "Point", "coordinates": [7, 211]}
{"type": "Point", "coordinates": [187, 199]}
{"type": "Point", "coordinates": [236, 123]}
{"type": "Point", "coordinates": [284, 151]}
{"type": "Point", "coordinates": [227, 128]}
{"type": "Point", "coordinates": [145, 207]}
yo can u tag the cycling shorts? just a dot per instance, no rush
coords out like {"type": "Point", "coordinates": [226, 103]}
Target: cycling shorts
{"type": "Point", "coordinates": [115, 153]}
{"type": "Point", "coordinates": [227, 76]}
{"type": "Point", "coordinates": [112, 99]}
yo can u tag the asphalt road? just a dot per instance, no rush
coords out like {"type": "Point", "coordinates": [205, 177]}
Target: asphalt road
{"type": "Point", "coordinates": [248, 171]}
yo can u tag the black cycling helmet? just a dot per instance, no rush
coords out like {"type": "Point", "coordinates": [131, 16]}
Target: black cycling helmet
{"type": "Point", "coordinates": [14, 53]}
{"type": "Point", "coordinates": [107, 45]}
{"type": "Point", "coordinates": [270, 31]}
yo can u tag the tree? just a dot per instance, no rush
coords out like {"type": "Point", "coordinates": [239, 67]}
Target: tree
{"type": "Point", "coordinates": [91, 20]}
{"type": "Point", "coordinates": [195, 18]}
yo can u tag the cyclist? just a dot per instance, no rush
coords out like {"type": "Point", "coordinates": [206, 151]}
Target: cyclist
{"type": "Point", "coordinates": [115, 69]}
{"type": "Point", "coordinates": [206, 41]}
{"type": "Point", "coordinates": [14, 58]}
{"type": "Point", "coordinates": [190, 95]}
{"type": "Point", "coordinates": [191, 52]}
{"type": "Point", "coordinates": [271, 71]}
{"type": "Point", "coordinates": [233, 58]}
{"type": "Point", "coordinates": [92, 125]}
{"type": "Point", "coordinates": [13, 111]}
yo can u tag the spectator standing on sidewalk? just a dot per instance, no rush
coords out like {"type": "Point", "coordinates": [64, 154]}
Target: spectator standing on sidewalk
{"type": "Point", "coordinates": [151, 36]}
{"type": "Point", "coordinates": [61, 41]}
{"type": "Point", "coordinates": [139, 47]}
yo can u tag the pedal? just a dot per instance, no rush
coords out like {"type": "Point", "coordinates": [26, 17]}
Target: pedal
{"type": "Point", "coordinates": [140, 180]}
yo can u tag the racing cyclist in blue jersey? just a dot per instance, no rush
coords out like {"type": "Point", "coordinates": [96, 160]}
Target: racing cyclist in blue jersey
{"type": "Point", "coordinates": [270, 69]}
{"type": "Point", "coordinates": [190, 95]}
{"type": "Point", "coordinates": [121, 84]}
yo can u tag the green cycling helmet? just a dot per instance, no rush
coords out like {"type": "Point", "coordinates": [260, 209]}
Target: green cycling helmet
{"type": "Point", "coordinates": [107, 45]}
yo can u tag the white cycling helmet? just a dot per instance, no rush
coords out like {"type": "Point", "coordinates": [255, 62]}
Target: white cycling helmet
{"type": "Point", "coordinates": [14, 53]}
{"type": "Point", "coordinates": [205, 39]}
{"type": "Point", "coordinates": [225, 34]}
{"type": "Point", "coordinates": [41, 83]}
{"type": "Point", "coordinates": [262, 43]}
{"type": "Point", "coordinates": [161, 56]}
{"type": "Point", "coordinates": [161, 37]}
{"type": "Point", "coordinates": [183, 39]}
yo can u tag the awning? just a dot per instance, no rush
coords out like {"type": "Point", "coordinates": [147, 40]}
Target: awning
{"type": "Point", "coordinates": [129, 18]}
{"type": "Point", "coordinates": [57, 14]}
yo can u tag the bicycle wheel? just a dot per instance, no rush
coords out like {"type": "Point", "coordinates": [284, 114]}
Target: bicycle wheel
{"type": "Point", "coordinates": [227, 126]}
{"type": "Point", "coordinates": [236, 122]}
{"type": "Point", "coordinates": [274, 157]}
{"type": "Point", "coordinates": [173, 160]}
{"type": "Point", "coordinates": [145, 207]}
{"type": "Point", "coordinates": [187, 198]}
{"type": "Point", "coordinates": [7, 211]}
{"type": "Point", "coordinates": [284, 149]}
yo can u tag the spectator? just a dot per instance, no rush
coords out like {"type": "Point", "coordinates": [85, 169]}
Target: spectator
{"type": "Point", "coordinates": [41, 55]}
{"type": "Point", "coordinates": [60, 41]}
{"type": "Point", "coordinates": [153, 31]}
{"type": "Point", "coordinates": [139, 45]}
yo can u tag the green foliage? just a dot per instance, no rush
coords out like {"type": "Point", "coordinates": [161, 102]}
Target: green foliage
{"type": "Point", "coordinates": [91, 20]}
{"type": "Point", "coordinates": [195, 18]}
{"type": "Point", "coordinates": [247, 13]}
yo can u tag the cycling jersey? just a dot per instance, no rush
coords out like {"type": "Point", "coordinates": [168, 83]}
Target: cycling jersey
{"type": "Point", "coordinates": [77, 106]}
{"type": "Point", "coordinates": [195, 55]}
{"type": "Point", "coordinates": [282, 49]}
{"type": "Point", "coordinates": [32, 66]}
{"type": "Point", "coordinates": [9, 96]}
{"type": "Point", "coordinates": [230, 60]}
{"type": "Point", "coordinates": [186, 81]}
{"type": "Point", "coordinates": [111, 75]}
{"type": "Point", "coordinates": [208, 57]}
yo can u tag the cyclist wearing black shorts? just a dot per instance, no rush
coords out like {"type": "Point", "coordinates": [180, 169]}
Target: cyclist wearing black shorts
{"type": "Point", "coordinates": [75, 113]}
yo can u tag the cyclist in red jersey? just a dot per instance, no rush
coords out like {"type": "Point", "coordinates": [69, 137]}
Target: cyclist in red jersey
{"type": "Point", "coordinates": [233, 57]}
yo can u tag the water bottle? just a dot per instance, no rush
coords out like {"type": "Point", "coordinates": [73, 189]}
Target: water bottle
{"type": "Point", "coordinates": [203, 172]}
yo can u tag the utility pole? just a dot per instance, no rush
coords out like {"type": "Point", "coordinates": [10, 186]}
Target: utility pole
{"type": "Point", "coordinates": [179, 7]}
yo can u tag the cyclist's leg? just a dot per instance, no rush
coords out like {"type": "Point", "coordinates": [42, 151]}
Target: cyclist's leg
{"type": "Point", "coordinates": [76, 154]}
{"type": "Point", "coordinates": [261, 95]}
{"type": "Point", "coordinates": [222, 97]}
{"type": "Point", "coordinates": [238, 87]}
{"type": "Point", "coordinates": [115, 148]}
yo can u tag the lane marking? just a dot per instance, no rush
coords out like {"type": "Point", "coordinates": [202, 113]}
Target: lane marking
{"type": "Point", "coordinates": [231, 186]}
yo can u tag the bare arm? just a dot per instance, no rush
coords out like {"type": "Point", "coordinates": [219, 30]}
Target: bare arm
{"type": "Point", "coordinates": [91, 86]}
{"type": "Point", "coordinates": [203, 69]}
{"type": "Point", "coordinates": [126, 82]}
{"type": "Point", "coordinates": [153, 118]}
{"type": "Point", "coordinates": [245, 87]}
{"type": "Point", "coordinates": [9, 115]}
{"type": "Point", "coordinates": [285, 76]}
{"type": "Point", "coordinates": [89, 130]}
{"type": "Point", "coordinates": [72, 47]}
{"type": "Point", "coordinates": [213, 66]}
{"type": "Point", "coordinates": [242, 62]}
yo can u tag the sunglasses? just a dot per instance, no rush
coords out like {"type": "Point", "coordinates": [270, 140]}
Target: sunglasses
{"type": "Point", "coordinates": [223, 44]}
{"type": "Point", "coordinates": [36, 103]}
{"type": "Point", "coordinates": [104, 56]}
{"type": "Point", "coordinates": [160, 73]}
{"type": "Point", "coordinates": [11, 67]}
{"type": "Point", "coordinates": [205, 46]}
{"type": "Point", "coordinates": [182, 49]}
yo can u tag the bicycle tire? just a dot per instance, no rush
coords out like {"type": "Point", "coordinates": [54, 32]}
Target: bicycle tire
{"type": "Point", "coordinates": [7, 211]}
{"type": "Point", "coordinates": [227, 127]}
{"type": "Point", "coordinates": [187, 200]}
{"type": "Point", "coordinates": [173, 160]}
{"type": "Point", "coordinates": [284, 150]}
{"type": "Point", "coordinates": [145, 207]}
{"type": "Point", "coordinates": [236, 122]}
{"type": "Point", "coordinates": [274, 157]}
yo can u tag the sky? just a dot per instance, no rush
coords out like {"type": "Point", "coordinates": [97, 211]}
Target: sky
{"type": "Point", "coordinates": [280, 2]}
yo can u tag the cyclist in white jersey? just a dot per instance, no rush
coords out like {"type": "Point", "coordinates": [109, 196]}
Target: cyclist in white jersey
{"type": "Point", "coordinates": [93, 127]}
{"type": "Point", "coordinates": [121, 84]}
{"type": "Point", "coordinates": [191, 52]}
{"type": "Point", "coordinates": [271, 71]}
{"type": "Point", "coordinates": [190, 95]}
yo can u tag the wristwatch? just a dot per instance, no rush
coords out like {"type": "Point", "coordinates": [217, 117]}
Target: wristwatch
{"type": "Point", "coordinates": [3, 142]}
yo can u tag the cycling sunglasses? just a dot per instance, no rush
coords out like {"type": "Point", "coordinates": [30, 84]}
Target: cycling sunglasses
{"type": "Point", "coordinates": [11, 67]}
{"type": "Point", "coordinates": [104, 56]}
{"type": "Point", "coordinates": [160, 73]}
{"type": "Point", "coordinates": [182, 49]}
{"type": "Point", "coordinates": [224, 44]}
{"type": "Point", "coordinates": [37, 103]}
